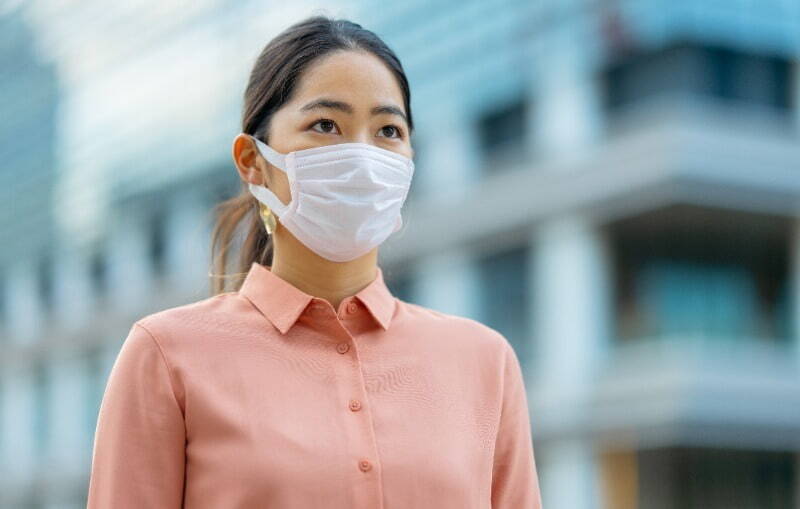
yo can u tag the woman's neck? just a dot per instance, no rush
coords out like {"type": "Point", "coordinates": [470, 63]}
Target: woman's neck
{"type": "Point", "coordinates": [320, 277]}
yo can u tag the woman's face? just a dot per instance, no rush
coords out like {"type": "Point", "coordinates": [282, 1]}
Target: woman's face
{"type": "Point", "coordinates": [368, 109]}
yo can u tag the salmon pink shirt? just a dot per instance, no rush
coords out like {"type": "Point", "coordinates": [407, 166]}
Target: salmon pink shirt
{"type": "Point", "coordinates": [268, 397]}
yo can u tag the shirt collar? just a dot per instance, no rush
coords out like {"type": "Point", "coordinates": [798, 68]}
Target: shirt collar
{"type": "Point", "coordinates": [283, 303]}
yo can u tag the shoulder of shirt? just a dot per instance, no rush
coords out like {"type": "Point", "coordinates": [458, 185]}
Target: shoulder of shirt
{"type": "Point", "coordinates": [210, 311]}
{"type": "Point", "coordinates": [460, 327]}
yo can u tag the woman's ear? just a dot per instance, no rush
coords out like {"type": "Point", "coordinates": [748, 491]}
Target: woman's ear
{"type": "Point", "coordinates": [249, 163]}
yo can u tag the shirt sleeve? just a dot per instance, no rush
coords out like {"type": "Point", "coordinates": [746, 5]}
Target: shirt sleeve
{"type": "Point", "coordinates": [138, 458]}
{"type": "Point", "coordinates": [514, 478]}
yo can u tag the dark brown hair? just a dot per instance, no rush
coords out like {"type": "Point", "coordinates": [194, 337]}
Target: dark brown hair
{"type": "Point", "coordinates": [271, 84]}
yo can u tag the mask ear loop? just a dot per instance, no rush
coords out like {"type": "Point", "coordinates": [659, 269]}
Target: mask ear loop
{"type": "Point", "coordinates": [270, 154]}
{"type": "Point", "coordinates": [262, 193]}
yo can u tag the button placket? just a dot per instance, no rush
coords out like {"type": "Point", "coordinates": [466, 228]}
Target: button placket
{"type": "Point", "coordinates": [360, 428]}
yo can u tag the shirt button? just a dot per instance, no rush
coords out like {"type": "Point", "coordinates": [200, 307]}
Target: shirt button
{"type": "Point", "coordinates": [364, 465]}
{"type": "Point", "coordinates": [352, 307]}
{"type": "Point", "coordinates": [342, 347]}
{"type": "Point", "coordinates": [355, 405]}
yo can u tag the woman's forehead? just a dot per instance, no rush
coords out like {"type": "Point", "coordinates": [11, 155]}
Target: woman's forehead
{"type": "Point", "coordinates": [354, 77]}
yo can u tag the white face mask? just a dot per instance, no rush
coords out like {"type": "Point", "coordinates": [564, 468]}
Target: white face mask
{"type": "Point", "coordinates": [345, 198]}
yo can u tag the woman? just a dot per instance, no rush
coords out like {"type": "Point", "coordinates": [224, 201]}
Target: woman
{"type": "Point", "coordinates": [310, 385]}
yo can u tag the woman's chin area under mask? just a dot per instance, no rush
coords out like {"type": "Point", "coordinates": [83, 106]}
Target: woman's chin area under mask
{"type": "Point", "coordinates": [326, 279]}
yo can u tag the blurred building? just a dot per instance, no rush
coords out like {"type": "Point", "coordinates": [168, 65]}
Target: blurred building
{"type": "Point", "coordinates": [613, 185]}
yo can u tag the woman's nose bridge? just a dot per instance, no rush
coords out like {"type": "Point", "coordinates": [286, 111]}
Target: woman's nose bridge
{"type": "Point", "coordinates": [360, 130]}
{"type": "Point", "coordinates": [361, 136]}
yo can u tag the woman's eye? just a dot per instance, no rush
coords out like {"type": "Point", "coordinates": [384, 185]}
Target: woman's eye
{"type": "Point", "coordinates": [395, 128]}
{"type": "Point", "coordinates": [325, 123]}
{"type": "Point", "coordinates": [328, 124]}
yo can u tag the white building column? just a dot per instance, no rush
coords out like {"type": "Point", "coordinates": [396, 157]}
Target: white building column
{"type": "Point", "coordinates": [72, 287]}
{"type": "Point", "coordinates": [451, 164]}
{"type": "Point", "coordinates": [18, 414]}
{"type": "Point", "coordinates": [570, 303]}
{"type": "Point", "coordinates": [23, 307]}
{"type": "Point", "coordinates": [567, 110]}
{"type": "Point", "coordinates": [129, 275]}
{"type": "Point", "coordinates": [6, 415]}
{"type": "Point", "coordinates": [67, 402]}
{"type": "Point", "coordinates": [569, 474]}
{"type": "Point", "coordinates": [448, 282]}
{"type": "Point", "coordinates": [187, 243]}
{"type": "Point", "coordinates": [569, 261]}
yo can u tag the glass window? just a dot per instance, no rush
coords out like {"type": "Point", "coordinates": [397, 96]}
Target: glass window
{"type": "Point", "coordinates": [401, 286]}
{"type": "Point", "coordinates": [157, 232]}
{"type": "Point", "coordinates": [45, 281]}
{"type": "Point", "coordinates": [692, 69]}
{"type": "Point", "coordinates": [695, 478]}
{"type": "Point", "coordinates": [688, 297]}
{"type": "Point", "coordinates": [502, 134]}
{"type": "Point", "coordinates": [504, 295]}
{"type": "Point", "coordinates": [704, 273]}
{"type": "Point", "coordinates": [98, 271]}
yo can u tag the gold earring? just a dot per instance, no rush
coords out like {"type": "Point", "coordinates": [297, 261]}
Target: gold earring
{"type": "Point", "coordinates": [268, 218]}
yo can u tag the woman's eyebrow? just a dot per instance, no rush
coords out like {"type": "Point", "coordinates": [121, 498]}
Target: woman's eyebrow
{"type": "Point", "coordinates": [347, 108]}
